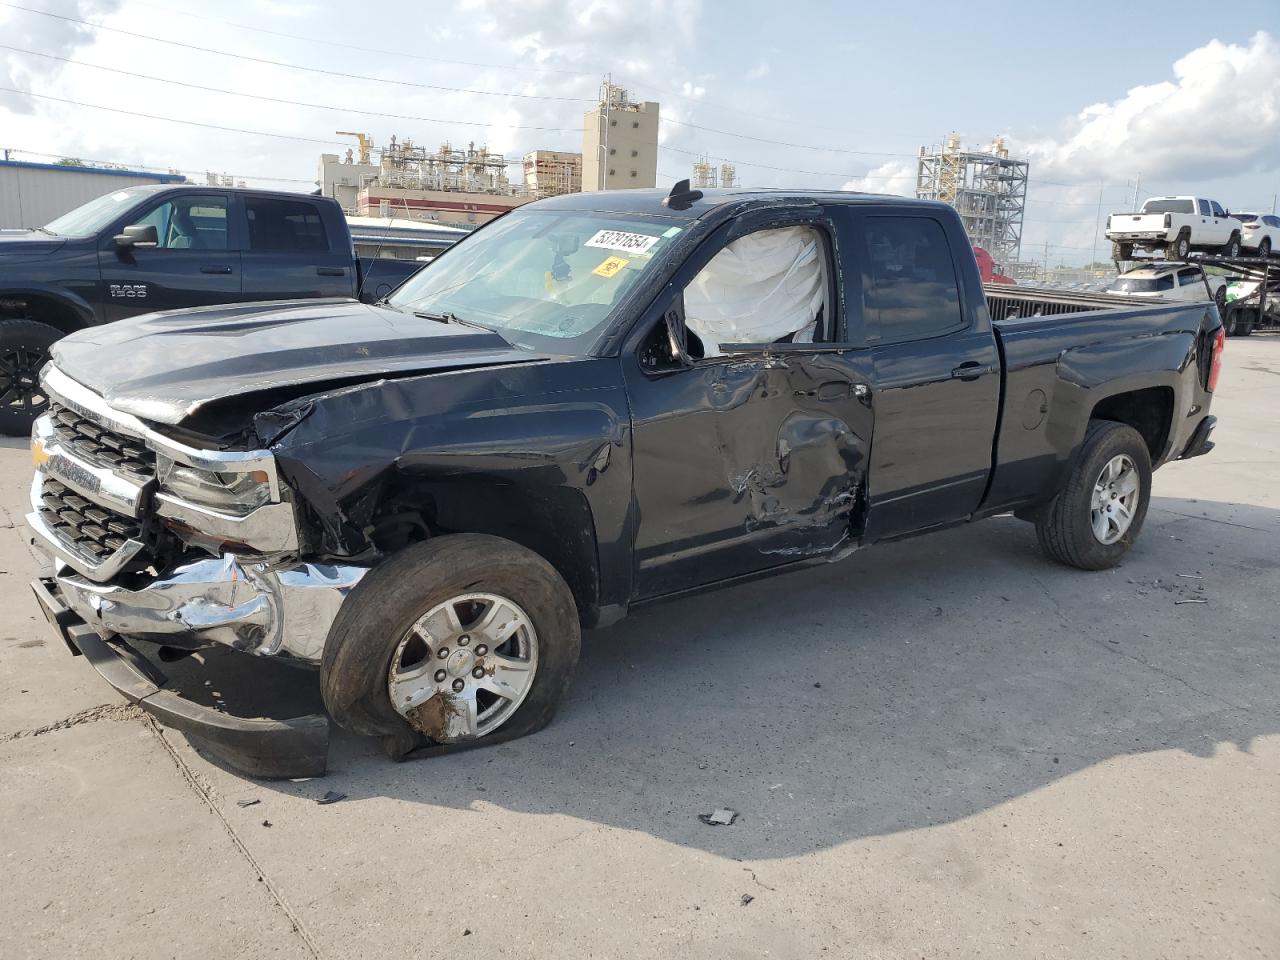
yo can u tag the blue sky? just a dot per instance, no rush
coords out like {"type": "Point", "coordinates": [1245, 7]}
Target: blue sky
{"type": "Point", "coordinates": [1095, 93]}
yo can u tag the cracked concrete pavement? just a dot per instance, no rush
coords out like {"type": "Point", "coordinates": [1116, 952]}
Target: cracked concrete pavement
{"type": "Point", "coordinates": [947, 747]}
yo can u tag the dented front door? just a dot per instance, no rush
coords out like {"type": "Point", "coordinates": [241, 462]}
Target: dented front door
{"type": "Point", "coordinates": [744, 463]}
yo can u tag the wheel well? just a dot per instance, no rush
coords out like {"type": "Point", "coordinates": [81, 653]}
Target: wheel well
{"type": "Point", "coordinates": [1149, 411]}
{"type": "Point", "coordinates": [555, 523]}
{"type": "Point", "coordinates": [43, 309]}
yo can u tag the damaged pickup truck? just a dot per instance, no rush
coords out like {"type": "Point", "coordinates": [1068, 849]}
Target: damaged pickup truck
{"type": "Point", "coordinates": [594, 402]}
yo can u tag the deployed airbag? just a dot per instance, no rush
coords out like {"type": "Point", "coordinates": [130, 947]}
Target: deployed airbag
{"type": "Point", "coordinates": [760, 288]}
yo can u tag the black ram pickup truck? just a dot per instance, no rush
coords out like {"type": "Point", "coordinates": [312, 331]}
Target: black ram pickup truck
{"type": "Point", "coordinates": [151, 248]}
{"type": "Point", "coordinates": [592, 403]}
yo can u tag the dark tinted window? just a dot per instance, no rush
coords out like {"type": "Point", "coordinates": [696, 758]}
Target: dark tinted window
{"type": "Point", "coordinates": [1188, 277]}
{"type": "Point", "coordinates": [1245, 217]}
{"type": "Point", "coordinates": [1144, 284]}
{"type": "Point", "coordinates": [1204, 208]}
{"type": "Point", "coordinates": [910, 287]}
{"type": "Point", "coordinates": [284, 225]}
{"type": "Point", "coordinates": [1217, 210]}
{"type": "Point", "coordinates": [1271, 221]}
{"type": "Point", "coordinates": [1170, 206]}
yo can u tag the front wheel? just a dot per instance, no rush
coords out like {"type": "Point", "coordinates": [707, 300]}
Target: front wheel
{"type": "Point", "coordinates": [1095, 518]}
{"type": "Point", "coordinates": [1232, 249]}
{"type": "Point", "coordinates": [450, 641]}
{"type": "Point", "coordinates": [1264, 248]}
{"type": "Point", "coordinates": [24, 349]}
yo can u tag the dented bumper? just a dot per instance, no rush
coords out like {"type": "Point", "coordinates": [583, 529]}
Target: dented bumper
{"type": "Point", "coordinates": [258, 746]}
{"type": "Point", "coordinates": [250, 607]}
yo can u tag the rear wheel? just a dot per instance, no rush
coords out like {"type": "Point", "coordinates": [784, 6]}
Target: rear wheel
{"type": "Point", "coordinates": [24, 349]}
{"type": "Point", "coordinates": [1180, 248]}
{"type": "Point", "coordinates": [1264, 248]}
{"type": "Point", "coordinates": [1121, 251]}
{"type": "Point", "coordinates": [450, 641]}
{"type": "Point", "coordinates": [1220, 299]}
{"type": "Point", "coordinates": [1098, 514]}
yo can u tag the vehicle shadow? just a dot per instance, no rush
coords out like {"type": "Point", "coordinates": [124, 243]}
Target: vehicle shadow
{"type": "Point", "coordinates": [911, 685]}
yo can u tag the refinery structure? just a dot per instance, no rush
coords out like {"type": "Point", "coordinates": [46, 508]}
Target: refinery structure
{"type": "Point", "coordinates": [706, 175]}
{"type": "Point", "coordinates": [987, 187]}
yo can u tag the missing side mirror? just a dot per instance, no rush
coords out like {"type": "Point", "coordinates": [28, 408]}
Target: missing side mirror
{"type": "Point", "coordinates": [677, 337]}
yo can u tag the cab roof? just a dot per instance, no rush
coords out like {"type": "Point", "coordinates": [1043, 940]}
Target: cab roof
{"type": "Point", "coordinates": [649, 201]}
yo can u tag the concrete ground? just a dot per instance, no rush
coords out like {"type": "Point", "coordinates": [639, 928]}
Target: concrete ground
{"type": "Point", "coordinates": [948, 747]}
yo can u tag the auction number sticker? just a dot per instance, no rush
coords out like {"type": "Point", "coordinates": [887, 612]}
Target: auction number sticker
{"type": "Point", "coordinates": [610, 267]}
{"type": "Point", "coordinates": [620, 240]}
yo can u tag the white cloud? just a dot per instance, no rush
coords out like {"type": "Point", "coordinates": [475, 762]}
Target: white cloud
{"type": "Point", "coordinates": [1219, 116]}
{"type": "Point", "coordinates": [759, 71]}
{"type": "Point", "coordinates": [894, 176]}
{"type": "Point", "coordinates": [59, 38]}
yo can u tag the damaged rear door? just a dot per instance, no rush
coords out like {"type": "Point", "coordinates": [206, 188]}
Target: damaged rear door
{"type": "Point", "coordinates": [752, 459]}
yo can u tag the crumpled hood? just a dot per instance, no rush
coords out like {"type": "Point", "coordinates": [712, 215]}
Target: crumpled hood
{"type": "Point", "coordinates": [164, 366]}
{"type": "Point", "coordinates": [27, 243]}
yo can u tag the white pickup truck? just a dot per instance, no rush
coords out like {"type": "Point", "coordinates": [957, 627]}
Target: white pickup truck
{"type": "Point", "coordinates": [1173, 227]}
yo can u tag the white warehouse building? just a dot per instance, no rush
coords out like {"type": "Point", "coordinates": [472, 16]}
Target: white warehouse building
{"type": "Point", "coordinates": [32, 194]}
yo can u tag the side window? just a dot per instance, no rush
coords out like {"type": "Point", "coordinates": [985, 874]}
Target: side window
{"type": "Point", "coordinates": [284, 225]}
{"type": "Point", "coordinates": [766, 287]}
{"type": "Point", "coordinates": [190, 223]}
{"type": "Point", "coordinates": [1217, 210]}
{"type": "Point", "coordinates": [1188, 277]}
{"type": "Point", "coordinates": [1165, 282]}
{"type": "Point", "coordinates": [910, 290]}
{"type": "Point", "coordinates": [1204, 209]}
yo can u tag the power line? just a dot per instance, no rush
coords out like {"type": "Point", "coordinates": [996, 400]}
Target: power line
{"type": "Point", "coordinates": [190, 123]}
{"type": "Point", "coordinates": [488, 66]}
{"type": "Point", "coordinates": [293, 66]}
{"type": "Point", "coordinates": [263, 97]}
{"type": "Point", "coordinates": [357, 47]}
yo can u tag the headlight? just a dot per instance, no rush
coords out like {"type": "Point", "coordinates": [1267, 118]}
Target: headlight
{"type": "Point", "coordinates": [228, 492]}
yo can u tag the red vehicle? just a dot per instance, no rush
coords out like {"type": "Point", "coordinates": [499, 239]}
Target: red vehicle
{"type": "Point", "coordinates": [987, 267]}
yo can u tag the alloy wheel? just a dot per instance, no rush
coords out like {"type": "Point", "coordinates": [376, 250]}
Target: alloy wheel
{"type": "Point", "coordinates": [1115, 498]}
{"type": "Point", "coordinates": [464, 667]}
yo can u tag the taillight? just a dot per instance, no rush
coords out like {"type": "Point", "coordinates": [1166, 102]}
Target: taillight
{"type": "Point", "coordinates": [1215, 362]}
{"type": "Point", "coordinates": [1168, 221]}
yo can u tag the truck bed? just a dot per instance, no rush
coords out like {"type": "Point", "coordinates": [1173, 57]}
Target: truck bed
{"type": "Point", "coordinates": [1059, 367]}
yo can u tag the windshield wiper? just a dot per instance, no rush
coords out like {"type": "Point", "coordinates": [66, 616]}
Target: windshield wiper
{"type": "Point", "coordinates": [448, 316]}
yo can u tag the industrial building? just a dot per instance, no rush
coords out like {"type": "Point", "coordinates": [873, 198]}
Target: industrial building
{"type": "Point", "coordinates": [705, 174]}
{"type": "Point", "coordinates": [463, 187]}
{"type": "Point", "coordinates": [550, 173]}
{"type": "Point", "coordinates": [32, 194]}
{"type": "Point", "coordinates": [987, 187]}
{"type": "Point", "coordinates": [619, 142]}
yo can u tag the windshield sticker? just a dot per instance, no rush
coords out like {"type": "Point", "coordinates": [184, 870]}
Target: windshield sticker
{"type": "Point", "coordinates": [610, 267]}
{"type": "Point", "coordinates": [619, 240]}
{"type": "Point", "coordinates": [671, 232]}
{"type": "Point", "coordinates": [120, 196]}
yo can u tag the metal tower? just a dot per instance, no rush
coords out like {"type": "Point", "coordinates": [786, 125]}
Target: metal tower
{"type": "Point", "coordinates": [986, 187]}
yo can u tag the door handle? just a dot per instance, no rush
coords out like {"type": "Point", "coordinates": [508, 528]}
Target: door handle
{"type": "Point", "coordinates": [213, 269]}
{"type": "Point", "coordinates": [331, 271]}
{"type": "Point", "coordinates": [970, 370]}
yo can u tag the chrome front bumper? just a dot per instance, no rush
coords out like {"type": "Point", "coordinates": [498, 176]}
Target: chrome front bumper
{"type": "Point", "coordinates": [248, 606]}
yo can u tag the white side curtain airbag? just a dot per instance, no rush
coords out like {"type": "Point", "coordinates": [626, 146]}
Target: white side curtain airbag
{"type": "Point", "coordinates": [758, 289]}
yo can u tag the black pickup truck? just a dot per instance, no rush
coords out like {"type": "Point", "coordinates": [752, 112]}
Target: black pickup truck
{"type": "Point", "coordinates": [594, 402]}
{"type": "Point", "coordinates": [152, 248]}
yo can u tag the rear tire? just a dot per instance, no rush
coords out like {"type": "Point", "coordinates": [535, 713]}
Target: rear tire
{"type": "Point", "coordinates": [1122, 251]}
{"type": "Point", "coordinates": [1068, 529]}
{"type": "Point", "coordinates": [1264, 248]}
{"type": "Point", "coordinates": [1180, 248]}
{"type": "Point", "coordinates": [1220, 299]}
{"type": "Point", "coordinates": [24, 349]}
{"type": "Point", "coordinates": [370, 649]}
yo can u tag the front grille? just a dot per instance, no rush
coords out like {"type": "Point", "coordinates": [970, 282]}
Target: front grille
{"type": "Point", "coordinates": [89, 530]}
{"type": "Point", "coordinates": [96, 444]}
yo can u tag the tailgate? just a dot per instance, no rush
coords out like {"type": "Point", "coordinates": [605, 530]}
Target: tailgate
{"type": "Point", "coordinates": [1136, 223]}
